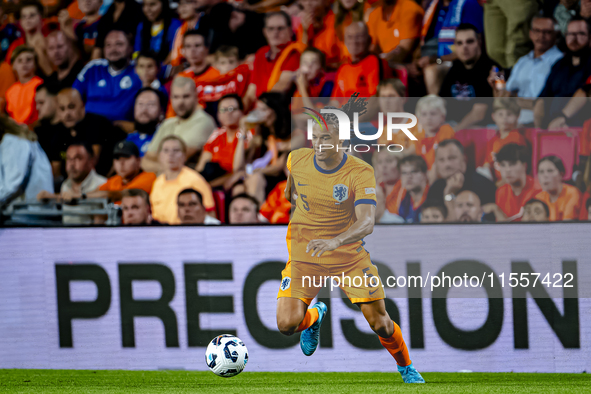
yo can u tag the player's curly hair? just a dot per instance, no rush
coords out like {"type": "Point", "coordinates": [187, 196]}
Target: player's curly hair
{"type": "Point", "coordinates": [354, 105]}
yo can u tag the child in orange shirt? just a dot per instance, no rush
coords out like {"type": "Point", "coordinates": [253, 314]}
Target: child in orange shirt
{"type": "Point", "coordinates": [505, 114]}
{"type": "Point", "coordinates": [20, 97]}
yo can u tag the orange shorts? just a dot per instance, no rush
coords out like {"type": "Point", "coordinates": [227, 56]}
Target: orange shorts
{"type": "Point", "coordinates": [359, 280]}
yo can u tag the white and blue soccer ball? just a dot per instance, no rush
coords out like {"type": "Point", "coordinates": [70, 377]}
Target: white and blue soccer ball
{"type": "Point", "coordinates": [226, 355]}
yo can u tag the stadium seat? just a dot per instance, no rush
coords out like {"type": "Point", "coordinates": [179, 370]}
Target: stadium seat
{"type": "Point", "coordinates": [564, 144]}
{"type": "Point", "coordinates": [474, 142]}
{"type": "Point", "coordinates": [219, 197]}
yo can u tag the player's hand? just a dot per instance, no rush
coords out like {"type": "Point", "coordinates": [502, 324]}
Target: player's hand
{"type": "Point", "coordinates": [319, 246]}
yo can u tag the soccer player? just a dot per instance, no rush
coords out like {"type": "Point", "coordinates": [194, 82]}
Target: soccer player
{"type": "Point", "coordinates": [335, 210]}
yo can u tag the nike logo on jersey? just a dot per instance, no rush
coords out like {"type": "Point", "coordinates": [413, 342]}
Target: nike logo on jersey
{"type": "Point", "coordinates": [371, 292]}
{"type": "Point", "coordinates": [302, 184]}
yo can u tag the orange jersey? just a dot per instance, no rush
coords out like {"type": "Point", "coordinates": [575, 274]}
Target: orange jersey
{"type": "Point", "coordinates": [209, 74]}
{"type": "Point", "coordinates": [234, 81]}
{"type": "Point", "coordinates": [512, 204]}
{"type": "Point", "coordinates": [276, 207]}
{"type": "Point", "coordinates": [404, 23]}
{"type": "Point", "coordinates": [143, 180]}
{"type": "Point", "coordinates": [325, 206]}
{"type": "Point", "coordinates": [325, 40]}
{"type": "Point", "coordinates": [362, 77]}
{"type": "Point", "coordinates": [426, 146]}
{"type": "Point", "coordinates": [20, 101]}
{"type": "Point", "coordinates": [566, 207]}
{"type": "Point", "coordinates": [494, 146]}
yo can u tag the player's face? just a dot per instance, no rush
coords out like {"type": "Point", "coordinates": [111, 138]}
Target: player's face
{"type": "Point", "coordinates": [432, 215]}
{"type": "Point", "coordinates": [135, 210]}
{"type": "Point", "coordinates": [512, 172]}
{"type": "Point", "coordinates": [276, 31]}
{"type": "Point", "coordinates": [146, 69]}
{"type": "Point", "coordinates": [172, 156]}
{"type": "Point", "coordinates": [24, 65]}
{"type": "Point", "coordinates": [412, 178]}
{"type": "Point", "coordinates": [30, 18]}
{"type": "Point", "coordinates": [190, 209]}
{"type": "Point", "coordinates": [229, 113]}
{"type": "Point", "coordinates": [147, 107]}
{"type": "Point", "coordinates": [46, 104]}
{"type": "Point", "coordinates": [78, 163]}
{"type": "Point", "coordinates": [449, 161]}
{"type": "Point", "coordinates": [194, 49]}
{"type": "Point", "coordinates": [431, 119]}
{"type": "Point", "coordinates": [127, 167]}
{"type": "Point", "coordinates": [187, 9]}
{"type": "Point", "coordinates": [89, 6]}
{"type": "Point", "coordinates": [226, 64]}
{"type": "Point", "coordinates": [70, 109]}
{"type": "Point", "coordinates": [387, 167]}
{"type": "Point", "coordinates": [116, 46]}
{"type": "Point", "coordinates": [58, 50]}
{"type": "Point", "coordinates": [549, 176]}
{"type": "Point", "coordinates": [534, 212]}
{"type": "Point", "coordinates": [243, 211]}
{"type": "Point", "coordinates": [310, 65]}
{"type": "Point", "coordinates": [325, 142]}
{"type": "Point", "coordinates": [468, 207]}
{"type": "Point", "coordinates": [505, 120]}
{"type": "Point", "coordinates": [183, 100]}
{"type": "Point", "coordinates": [152, 10]}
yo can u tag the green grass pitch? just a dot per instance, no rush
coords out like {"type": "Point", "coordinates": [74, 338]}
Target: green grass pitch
{"type": "Point", "coordinates": [76, 381]}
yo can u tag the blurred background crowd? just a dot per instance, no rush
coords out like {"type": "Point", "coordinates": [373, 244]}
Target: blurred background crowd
{"type": "Point", "coordinates": [173, 113]}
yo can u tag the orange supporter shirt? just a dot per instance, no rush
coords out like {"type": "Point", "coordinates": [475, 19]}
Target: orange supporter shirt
{"type": "Point", "coordinates": [509, 202]}
{"type": "Point", "coordinates": [494, 146]}
{"type": "Point", "coordinates": [222, 149]}
{"type": "Point", "coordinates": [143, 181]}
{"type": "Point", "coordinates": [427, 145]}
{"type": "Point", "coordinates": [362, 77]}
{"type": "Point", "coordinates": [207, 75]}
{"type": "Point", "coordinates": [392, 199]}
{"type": "Point", "coordinates": [263, 66]}
{"type": "Point", "coordinates": [566, 207]}
{"type": "Point", "coordinates": [326, 39]}
{"type": "Point", "coordinates": [276, 207]}
{"type": "Point", "coordinates": [20, 101]}
{"type": "Point", "coordinates": [404, 23]}
{"type": "Point", "coordinates": [584, 212]}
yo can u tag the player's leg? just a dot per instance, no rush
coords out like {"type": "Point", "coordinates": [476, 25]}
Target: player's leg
{"type": "Point", "coordinates": [391, 338]}
{"type": "Point", "coordinates": [293, 314]}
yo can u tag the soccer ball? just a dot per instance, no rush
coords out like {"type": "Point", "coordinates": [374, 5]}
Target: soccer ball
{"type": "Point", "coordinates": [226, 355]}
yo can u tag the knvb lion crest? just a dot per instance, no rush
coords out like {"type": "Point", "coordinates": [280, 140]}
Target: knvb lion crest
{"type": "Point", "coordinates": [340, 192]}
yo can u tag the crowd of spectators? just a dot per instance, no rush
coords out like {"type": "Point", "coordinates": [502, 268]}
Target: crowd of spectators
{"type": "Point", "coordinates": [180, 112]}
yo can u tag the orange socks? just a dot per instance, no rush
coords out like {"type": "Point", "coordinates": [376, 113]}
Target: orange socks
{"type": "Point", "coordinates": [309, 319]}
{"type": "Point", "coordinates": [396, 347]}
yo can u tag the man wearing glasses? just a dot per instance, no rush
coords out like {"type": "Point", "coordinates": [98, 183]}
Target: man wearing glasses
{"type": "Point", "coordinates": [216, 163]}
{"type": "Point", "coordinates": [271, 60]}
{"type": "Point", "coordinates": [531, 71]}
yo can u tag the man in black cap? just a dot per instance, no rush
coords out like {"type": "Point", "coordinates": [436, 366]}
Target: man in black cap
{"type": "Point", "coordinates": [126, 161]}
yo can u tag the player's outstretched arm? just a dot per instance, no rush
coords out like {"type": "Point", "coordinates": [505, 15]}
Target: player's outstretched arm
{"type": "Point", "coordinates": [362, 227]}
